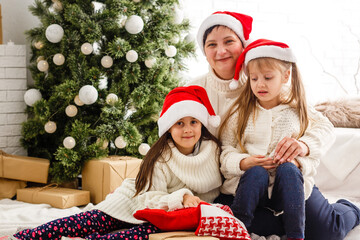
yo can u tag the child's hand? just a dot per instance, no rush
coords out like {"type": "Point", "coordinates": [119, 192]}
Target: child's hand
{"type": "Point", "coordinates": [190, 201]}
{"type": "Point", "coordinates": [257, 160]}
{"type": "Point", "coordinates": [289, 148]}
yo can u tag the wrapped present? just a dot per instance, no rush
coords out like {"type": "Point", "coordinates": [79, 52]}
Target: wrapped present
{"type": "Point", "coordinates": [55, 196]}
{"type": "Point", "coordinates": [24, 168]}
{"type": "Point", "coordinates": [8, 187]}
{"type": "Point", "coordinates": [103, 176]}
{"type": "Point", "coordinates": [180, 235]}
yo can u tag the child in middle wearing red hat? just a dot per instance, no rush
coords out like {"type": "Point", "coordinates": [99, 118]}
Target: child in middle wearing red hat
{"type": "Point", "coordinates": [180, 170]}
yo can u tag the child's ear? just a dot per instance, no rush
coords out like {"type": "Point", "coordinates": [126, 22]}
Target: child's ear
{"type": "Point", "coordinates": [286, 76]}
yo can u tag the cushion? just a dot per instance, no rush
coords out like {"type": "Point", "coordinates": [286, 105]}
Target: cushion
{"type": "Point", "coordinates": [341, 113]}
{"type": "Point", "coordinates": [180, 219]}
{"type": "Point", "coordinates": [218, 222]}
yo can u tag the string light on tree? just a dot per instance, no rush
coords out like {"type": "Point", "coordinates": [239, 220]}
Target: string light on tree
{"type": "Point", "coordinates": [59, 59]}
{"type": "Point", "coordinates": [69, 142]}
{"type": "Point", "coordinates": [120, 142]}
{"type": "Point", "coordinates": [111, 99]}
{"type": "Point", "coordinates": [43, 65]}
{"type": "Point", "coordinates": [134, 24]}
{"type": "Point", "coordinates": [106, 61]}
{"type": "Point", "coordinates": [88, 94]}
{"type": "Point", "coordinates": [54, 33]}
{"type": "Point", "coordinates": [31, 96]}
{"type": "Point", "coordinates": [150, 62]}
{"type": "Point", "coordinates": [86, 48]}
{"type": "Point", "coordinates": [77, 101]}
{"type": "Point", "coordinates": [131, 56]}
{"type": "Point", "coordinates": [144, 148]}
{"type": "Point", "coordinates": [71, 110]}
{"type": "Point", "coordinates": [170, 51]}
{"type": "Point", "coordinates": [50, 127]}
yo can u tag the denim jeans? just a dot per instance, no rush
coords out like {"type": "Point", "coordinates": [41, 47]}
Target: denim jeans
{"type": "Point", "coordinates": [324, 221]}
{"type": "Point", "coordinates": [287, 197]}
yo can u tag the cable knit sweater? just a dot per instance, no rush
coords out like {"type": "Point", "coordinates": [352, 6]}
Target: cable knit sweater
{"type": "Point", "coordinates": [261, 138]}
{"type": "Point", "coordinates": [173, 177]}
{"type": "Point", "coordinates": [219, 92]}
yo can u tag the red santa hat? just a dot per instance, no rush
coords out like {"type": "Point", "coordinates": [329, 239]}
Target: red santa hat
{"type": "Point", "coordinates": [262, 48]}
{"type": "Point", "coordinates": [241, 24]}
{"type": "Point", "coordinates": [190, 101]}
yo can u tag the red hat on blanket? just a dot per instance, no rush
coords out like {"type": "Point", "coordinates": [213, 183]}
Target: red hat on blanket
{"type": "Point", "coordinates": [241, 24]}
{"type": "Point", "coordinates": [190, 101]}
{"type": "Point", "coordinates": [262, 48]}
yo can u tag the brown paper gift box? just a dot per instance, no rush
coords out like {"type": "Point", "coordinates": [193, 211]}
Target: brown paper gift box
{"type": "Point", "coordinates": [181, 235]}
{"type": "Point", "coordinates": [55, 196]}
{"type": "Point", "coordinates": [8, 187]}
{"type": "Point", "coordinates": [24, 168]}
{"type": "Point", "coordinates": [103, 176]}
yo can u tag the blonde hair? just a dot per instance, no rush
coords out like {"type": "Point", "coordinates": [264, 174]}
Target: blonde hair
{"type": "Point", "coordinates": [246, 102]}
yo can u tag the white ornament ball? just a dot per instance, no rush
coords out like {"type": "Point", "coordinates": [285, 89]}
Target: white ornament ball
{"type": "Point", "coordinates": [31, 96]}
{"type": "Point", "coordinates": [38, 45]}
{"type": "Point", "coordinates": [78, 101]}
{"type": "Point", "coordinates": [40, 58]}
{"type": "Point", "coordinates": [171, 60]}
{"type": "Point", "coordinates": [69, 142]}
{"type": "Point", "coordinates": [86, 48]}
{"type": "Point", "coordinates": [106, 61]}
{"type": "Point", "coordinates": [178, 16]}
{"type": "Point", "coordinates": [120, 142]}
{"type": "Point", "coordinates": [150, 62]}
{"type": "Point", "coordinates": [88, 94]}
{"type": "Point", "coordinates": [134, 24]}
{"type": "Point", "coordinates": [50, 127]}
{"type": "Point", "coordinates": [131, 56]}
{"type": "Point", "coordinates": [105, 143]}
{"type": "Point", "coordinates": [54, 33]}
{"type": "Point", "coordinates": [57, 5]}
{"type": "Point", "coordinates": [190, 38]}
{"type": "Point", "coordinates": [59, 59]}
{"type": "Point", "coordinates": [43, 65]}
{"type": "Point", "coordinates": [71, 110]}
{"type": "Point", "coordinates": [144, 148]}
{"type": "Point", "coordinates": [111, 98]}
{"type": "Point", "coordinates": [175, 39]}
{"type": "Point", "coordinates": [170, 51]}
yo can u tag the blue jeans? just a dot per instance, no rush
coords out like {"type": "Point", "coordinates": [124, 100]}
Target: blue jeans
{"type": "Point", "coordinates": [287, 197]}
{"type": "Point", "coordinates": [324, 221]}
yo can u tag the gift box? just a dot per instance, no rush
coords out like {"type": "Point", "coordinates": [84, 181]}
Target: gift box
{"type": "Point", "coordinates": [103, 176]}
{"type": "Point", "coordinates": [180, 235]}
{"type": "Point", "coordinates": [24, 168]}
{"type": "Point", "coordinates": [55, 196]}
{"type": "Point", "coordinates": [8, 187]}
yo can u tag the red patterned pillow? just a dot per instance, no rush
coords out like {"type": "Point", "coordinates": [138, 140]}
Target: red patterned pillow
{"type": "Point", "coordinates": [217, 222]}
{"type": "Point", "coordinates": [181, 219]}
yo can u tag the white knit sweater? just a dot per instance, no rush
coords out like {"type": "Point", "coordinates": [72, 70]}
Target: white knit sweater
{"type": "Point", "coordinates": [219, 92]}
{"type": "Point", "coordinates": [261, 138]}
{"type": "Point", "coordinates": [197, 175]}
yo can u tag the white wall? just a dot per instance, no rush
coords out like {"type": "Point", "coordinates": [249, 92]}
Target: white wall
{"type": "Point", "coordinates": [317, 30]}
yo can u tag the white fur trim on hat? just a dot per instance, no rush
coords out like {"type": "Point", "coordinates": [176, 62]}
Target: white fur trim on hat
{"type": "Point", "coordinates": [220, 19]}
{"type": "Point", "coordinates": [272, 51]}
{"type": "Point", "coordinates": [186, 108]}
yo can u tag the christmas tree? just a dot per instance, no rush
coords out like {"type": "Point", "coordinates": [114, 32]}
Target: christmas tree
{"type": "Point", "coordinates": [101, 71]}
